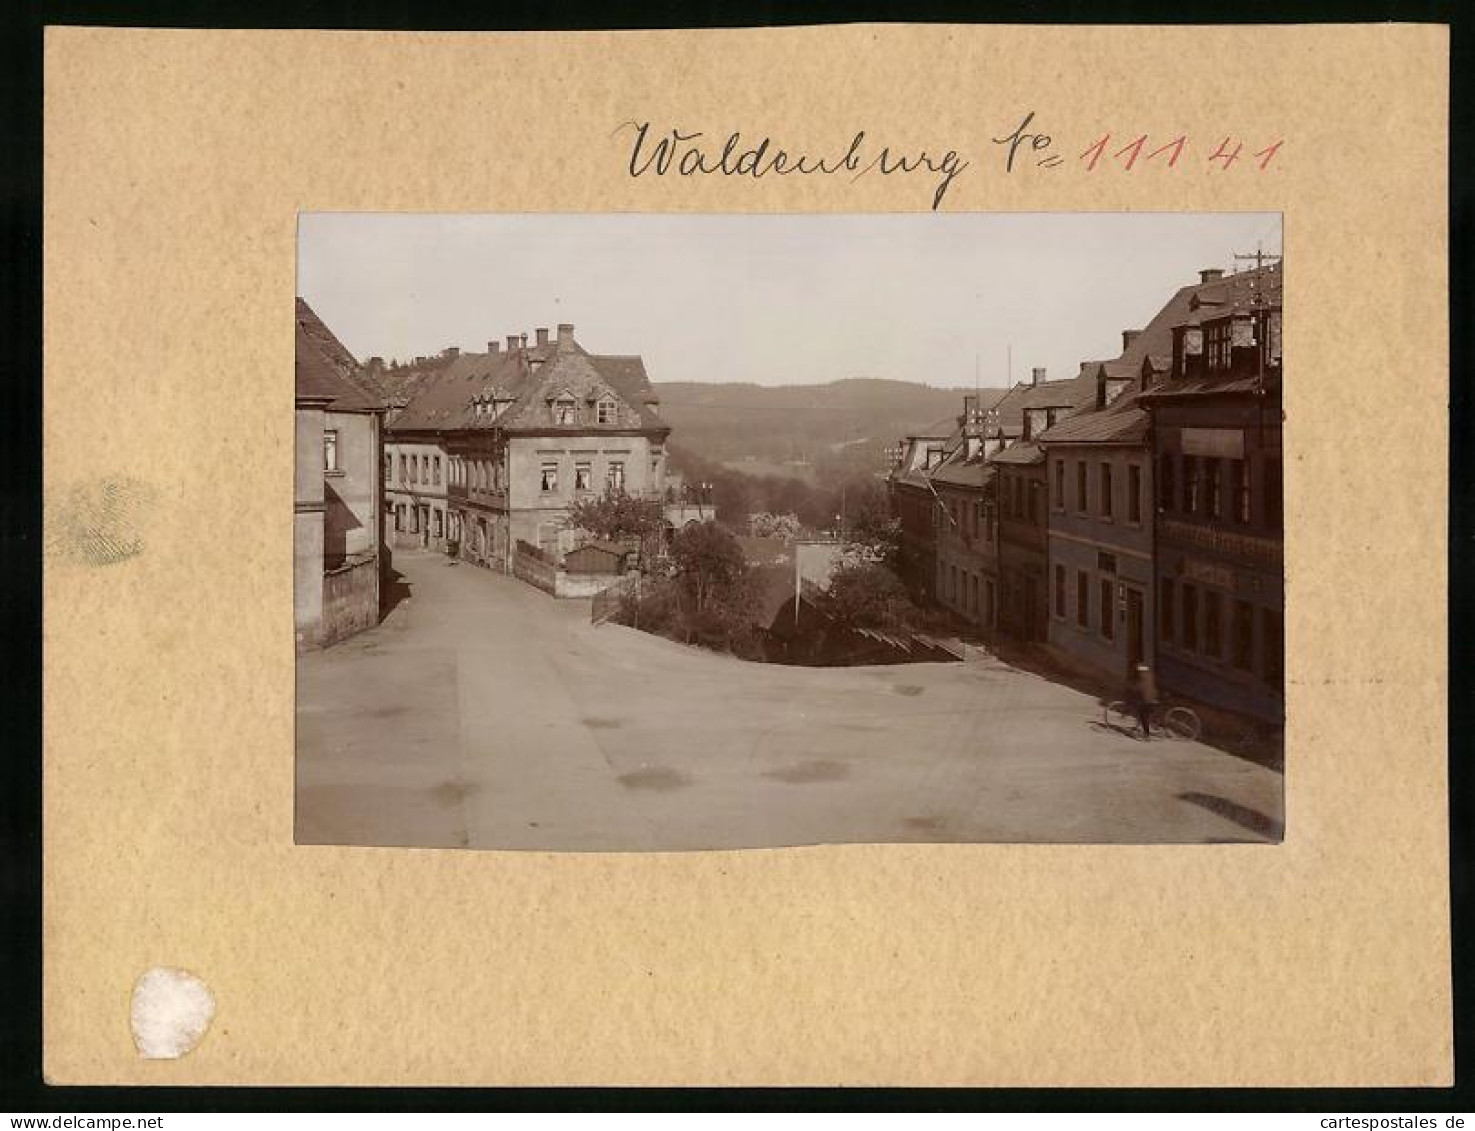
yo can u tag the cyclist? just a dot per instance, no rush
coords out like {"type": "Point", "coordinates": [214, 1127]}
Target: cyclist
{"type": "Point", "coordinates": [1142, 696]}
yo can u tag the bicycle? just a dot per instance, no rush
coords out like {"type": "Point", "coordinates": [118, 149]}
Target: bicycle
{"type": "Point", "coordinates": [1179, 722]}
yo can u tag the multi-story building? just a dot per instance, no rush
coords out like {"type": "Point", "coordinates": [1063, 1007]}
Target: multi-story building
{"type": "Point", "coordinates": [526, 431]}
{"type": "Point", "coordinates": [1101, 530]}
{"type": "Point", "coordinates": [337, 532]}
{"type": "Point", "coordinates": [1216, 443]}
{"type": "Point", "coordinates": [1022, 492]}
{"type": "Point", "coordinates": [914, 504]}
{"type": "Point", "coordinates": [967, 548]}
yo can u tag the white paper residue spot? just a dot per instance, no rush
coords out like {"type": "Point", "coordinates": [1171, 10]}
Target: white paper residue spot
{"type": "Point", "coordinates": [171, 1011]}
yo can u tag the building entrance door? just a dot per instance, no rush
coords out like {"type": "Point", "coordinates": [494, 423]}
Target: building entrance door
{"type": "Point", "coordinates": [1134, 625]}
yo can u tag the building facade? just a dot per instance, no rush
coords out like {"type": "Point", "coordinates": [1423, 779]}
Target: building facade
{"type": "Point", "coordinates": [1216, 443]}
{"type": "Point", "coordinates": [338, 500]}
{"type": "Point", "coordinates": [504, 442]}
{"type": "Point", "coordinates": [914, 502]}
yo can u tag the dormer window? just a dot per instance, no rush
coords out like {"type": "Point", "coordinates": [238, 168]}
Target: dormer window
{"type": "Point", "coordinates": [1218, 338]}
{"type": "Point", "coordinates": [606, 411]}
{"type": "Point", "coordinates": [565, 411]}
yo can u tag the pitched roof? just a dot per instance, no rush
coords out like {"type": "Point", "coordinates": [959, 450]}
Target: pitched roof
{"type": "Point", "coordinates": [1150, 352]}
{"type": "Point", "coordinates": [324, 367]}
{"type": "Point", "coordinates": [1023, 453]}
{"type": "Point", "coordinates": [974, 472]}
{"type": "Point", "coordinates": [522, 383]}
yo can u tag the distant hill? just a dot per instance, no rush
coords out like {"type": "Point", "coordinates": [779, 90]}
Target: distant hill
{"type": "Point", "coordinates": [782, 430]}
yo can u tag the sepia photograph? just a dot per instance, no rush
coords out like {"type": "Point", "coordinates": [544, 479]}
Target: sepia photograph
{"type": "Point", "coordinates": [634, 532]}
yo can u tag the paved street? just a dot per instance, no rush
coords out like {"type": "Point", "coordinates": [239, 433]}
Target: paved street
{"type": "Point", "coordinates": [484, 714]}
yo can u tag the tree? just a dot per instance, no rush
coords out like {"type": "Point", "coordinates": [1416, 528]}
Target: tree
{"type": "Point", "coordinates": [619, 517]}
{"type": "Point", "coordinates": [765, 524]}
{"type": "Point", "coordinates": [871, 533]}
{"type": "Point", "coordinates": [709, 561]}
{"type": "Point", "coordinates": [865, 594]}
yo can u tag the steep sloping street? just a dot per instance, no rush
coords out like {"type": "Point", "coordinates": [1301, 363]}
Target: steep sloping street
{"type": "Point", "coordinates": [482, 713]}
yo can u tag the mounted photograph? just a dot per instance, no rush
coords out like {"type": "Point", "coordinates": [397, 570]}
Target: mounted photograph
{"type": "Point", "coordinates": [636, 532]}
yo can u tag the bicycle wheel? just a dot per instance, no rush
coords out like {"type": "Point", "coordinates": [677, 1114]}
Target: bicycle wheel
{"type": "Point", "coordinates": [1181, 722]}
{"type": "Point", "coordinates": [1119, 716]}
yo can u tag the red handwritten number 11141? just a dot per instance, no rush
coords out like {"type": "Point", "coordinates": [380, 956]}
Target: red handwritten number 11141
{"type": "Point", "coordinates": [1227, 154]}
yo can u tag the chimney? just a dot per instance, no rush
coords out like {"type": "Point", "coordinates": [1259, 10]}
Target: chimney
{"type": "Point", "coordinates": [494, 346]}
{"type": "Point", "coordinates": [451, 351]}
{"type": "Point", "coordinates": [522, 341]}
{"type": "Point", "coordinates": [1037, 375]}
{"type": "Point", "coordinates": [511, 342]}
{"type": "Point", "coordinates": [1128, 337]}
{"type": "Point", "coordinates": [542, 332]}
{"type": "Point", "coordinates": [972, 419]}
{"type": "Point", "coordinates": [565, 333]}
{"type": "Point", "coordinates": [1210, 275]}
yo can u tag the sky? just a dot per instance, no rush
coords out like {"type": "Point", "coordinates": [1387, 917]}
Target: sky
{"type": "Point", "coordinates": [945, 299]}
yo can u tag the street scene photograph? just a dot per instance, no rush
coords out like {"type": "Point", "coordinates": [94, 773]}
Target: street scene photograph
{"type": "Point", "coordinates": [635, 532]}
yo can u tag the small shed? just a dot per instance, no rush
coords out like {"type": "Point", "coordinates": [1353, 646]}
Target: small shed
{"type": "Point", "coordinates": [600, 557]}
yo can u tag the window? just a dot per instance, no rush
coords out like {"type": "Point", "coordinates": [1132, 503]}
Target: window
{"type": "Point", "coordinates": [330, 450]}
{"type": "Point", "coordinates": [439, 522]}
{"type": "Point", "coordinates": [606, 411]}
{"type": "Point", "coordinates": [404, 476]}
{"type": "Point", "coordinates": [1218, 339]}
{"type": "Point", "coordinates": [1166, 622]}
{"type": "Point", "coordinates": [1270, 502]}
{"type": "Point", "coordinates": [1239, 490]}
{"type": "Point", "coordinates": [550, 477]}
{"type": "Point", "coordinates": [1166, 482]}
{"type": "Point", "coordinates": [399, 516]}
{"type": "Point", "coordinates": [1190, 484]}
{"type": "Point", "coordinates": [1108, 607]}
{"type": "Point", "coordinates": [414, 469]}
{"type": "Point", "coordinates": [1211, 488]}
{"type": "Point", "coordinates": [1244, 636]}
{"type": "Point", "coordinates": [1272, 647]}
{"type": "Point", "coordinates": [1083, 599]}
{"type": "Point", "coordinates": [1213, 629]}
{"type": "Point", "coordinates": [1134, 493]}
{"type": "Point", "coordinates": [1189, 639]}
{"type": "Point", "coordinates": [1081, 485]}
{"type": "Point", "coordinates": [616, 475]}
{"type": "Point", "coordinates": [583, 477]}
{"type": "Point", "coordinates": [1058, 502]}
{"type": "Point", "coordinates": [436, 471]}
{"type": "Point", "coordinates": [1106, 511]}
{"type": "Point", "coordinates": [414, 520]}
{"type": "Point", "coordinates": [1060, 591]}
{"type": "Point", "coordinates": [1036, 489]}
{"type": "Point", "coordinates": [565, 411]}
{"type": "Point", "coordinates": [388, 468]}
